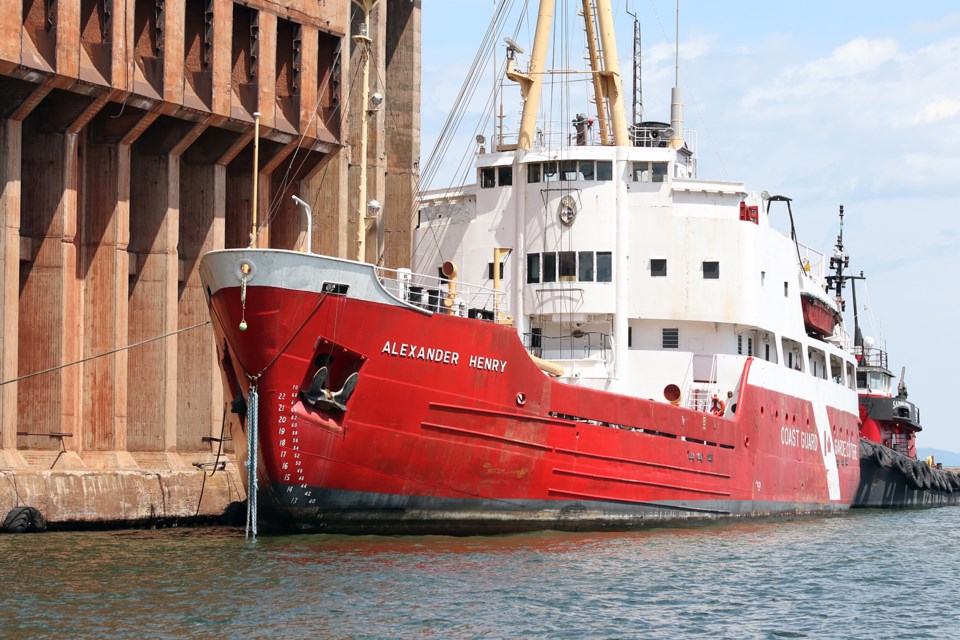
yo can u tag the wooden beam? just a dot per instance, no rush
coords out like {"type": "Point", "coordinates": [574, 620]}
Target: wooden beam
{"type": "Point", "coordinates": [242, 141]}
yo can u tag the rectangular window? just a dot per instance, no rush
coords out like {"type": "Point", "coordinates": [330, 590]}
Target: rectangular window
{"type": "Point", "coordinates": [739, 345]}
{"type": "Point", "coordinates": [536, 338]}
{"type": "Point", "coordinates": [586, 266]}
{"type": "Point", "coordinates": [549, 171]}
{"type": "Point", "coordinates": [505, 176]}
{"type": "Point", "coordinates": [490, 271]}
{"type": "Point", "coordinates": [550, 267]}
{"type": "Point", "coordinates": [749, 346]}
{"type": "Point", "coordinates": [658, 172]}
{"type": "Point", "coordinates": [568, 266]}
{"type": "Point", "coordinates": [488, 178]}
{"type": "Point", "coordinates": [533, 267]}
{"type": "Point", "coordinates": [641, 172]}
{"type": "Point", "coordinates": [586, 169]}
{"type": "Point", "coordinates": [533, 172]}
{"type": "Point", "coordinates": [786, 289]}
{"type": "Point", "coordinates": [711, 270]}
{"type": "Point", "coordinates": [658, 267]}
{"type": "Point", "coordinates": [604, 266]}
{"type": "Point", "coordinates": [604, 170]}
{"type": "Point", "coordinates": [568, 170]}
{"type": "Point", "coordinates": [629, 337]}
{"type": "Point", "coordinates": [671, 339]}
{"type": "Point", "coordinates": [766, 354]}
{"type": "Point", "coordinates": [790, 359]}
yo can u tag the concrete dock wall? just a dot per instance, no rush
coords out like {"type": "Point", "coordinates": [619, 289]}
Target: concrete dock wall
{"type": "Point", "coordinates": [126, 153]}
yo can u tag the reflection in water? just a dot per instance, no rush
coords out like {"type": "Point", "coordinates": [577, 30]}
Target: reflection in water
{"type": "Point", "coordinates": [815, 577]}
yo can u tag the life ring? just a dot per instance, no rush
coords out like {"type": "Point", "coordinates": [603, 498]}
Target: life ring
{"type": "Point", "coordinates": [718, 407]}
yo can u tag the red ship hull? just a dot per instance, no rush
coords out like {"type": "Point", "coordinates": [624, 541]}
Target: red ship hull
{"type": "Point", "coordinates": [452, 428]}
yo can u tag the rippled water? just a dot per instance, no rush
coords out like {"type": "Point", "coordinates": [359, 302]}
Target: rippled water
{"type": "Point", "coordinates": [863, 575]}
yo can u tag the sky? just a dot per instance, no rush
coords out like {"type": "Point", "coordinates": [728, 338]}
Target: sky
{"type": "Point", "coordinates": [843, 102]}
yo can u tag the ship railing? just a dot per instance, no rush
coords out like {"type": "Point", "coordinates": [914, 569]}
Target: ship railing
{"type": "Point", "coordinates": [700, 398]}
{"type": "Point", "coordinates": [587, 345]}
{"type": "Point", "coordinates": [441, 295]}
{"type": "Point", "coordinates": [872, 357]}
{"type": "Point", "coordinates": [812, 261]}
{"type": "Point", "coordinates": [701, 388]}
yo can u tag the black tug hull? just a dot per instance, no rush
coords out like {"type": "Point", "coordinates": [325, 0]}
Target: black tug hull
{"type": "Point", "coordinates": [890, 480]}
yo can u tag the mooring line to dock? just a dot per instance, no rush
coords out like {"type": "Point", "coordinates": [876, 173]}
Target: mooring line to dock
{"type": "Point", "coordinates": [105, 353]}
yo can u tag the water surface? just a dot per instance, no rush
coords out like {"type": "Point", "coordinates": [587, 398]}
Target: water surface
{"type": "Point", "coordinates": [868, 574]}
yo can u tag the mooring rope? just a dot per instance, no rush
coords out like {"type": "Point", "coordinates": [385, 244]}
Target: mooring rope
{"type": "Point", "coordinates": [105, 353]}
{"type": "Point", "coordinates": [252, 401]}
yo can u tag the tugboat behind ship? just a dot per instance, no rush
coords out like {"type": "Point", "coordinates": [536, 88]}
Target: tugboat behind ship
{"type": "Point", "coordinates": [890, 473]}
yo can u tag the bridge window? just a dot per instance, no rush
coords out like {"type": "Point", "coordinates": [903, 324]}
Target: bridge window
{"type": "Point", "coordinates": [550, 172]}
{"type": "Point", "coordinates": [586, 266]}
{"type": "Point", "coordinates": [650, 171]}
{"type": "Point", "coordinates": [533, 267]}
{"type": "Point", "coordinates": [604, 170]}
{"type": "Point", "coordinates": [568, 170]}
{"type": "Point", "coordinates": [568, 266]}
{"type": "Point", "coordinates": [505, 176]}
{"type": "Point", "coordinates": [488, 178]}
{"type": "Point", "coordinates": [533, 172]}
{"type": "Point", "coordinates": [586, 169]}
{"type": "Point", "coordinates": [582, 266]}
{"type": "Point", "coordinates": [604, 266]}
{"type": "Point", "coordinates": [550, 267]}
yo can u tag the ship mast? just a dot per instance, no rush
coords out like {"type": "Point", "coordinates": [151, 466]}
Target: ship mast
{"type": "Point", "coordinates": [611, 73]}
{"type": "Point", "coordinates": [603, 62]}
{"type": "Point", "coordinates": [593, 52]}
{"type": "Point", "coordinates": [531, 82]}
{"type": "Point", "coordinates": [839, 261]}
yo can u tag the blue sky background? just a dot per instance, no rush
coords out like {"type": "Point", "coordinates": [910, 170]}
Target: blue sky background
{"type": "Point", "coordinates": [844, 102]}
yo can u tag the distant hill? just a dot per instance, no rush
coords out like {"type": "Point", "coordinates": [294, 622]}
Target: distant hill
{"type": "Point", "coordinates": [948, 458]}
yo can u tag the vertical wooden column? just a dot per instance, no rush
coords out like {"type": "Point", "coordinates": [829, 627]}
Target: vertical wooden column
{"type": "Point", "coordinates": [154, 225]}
{"type": "Point", "coordinates": [402, 130]}
{"type": "Point", "coordinates": [199, 389]}
{"type": "Point", "coordinates": [49, 328]}
{"type": "Point", "coordinates": [10, 150]}
{"type": "Point", "coordinates": [104, 270]}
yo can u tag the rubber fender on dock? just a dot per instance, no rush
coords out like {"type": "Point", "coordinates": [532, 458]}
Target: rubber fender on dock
{"type": "Point", "coordinates": [24, 520]}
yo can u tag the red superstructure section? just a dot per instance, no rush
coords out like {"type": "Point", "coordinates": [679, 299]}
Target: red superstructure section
{"type": "Point", "coordinates": [452, 427]}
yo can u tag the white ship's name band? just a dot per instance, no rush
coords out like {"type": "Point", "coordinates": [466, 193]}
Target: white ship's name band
{"type": "Point", "coordinates": [442, 356]}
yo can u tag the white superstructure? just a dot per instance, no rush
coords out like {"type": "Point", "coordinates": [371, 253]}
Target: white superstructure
{"type": "Point", "coordinates": [653, 277]}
